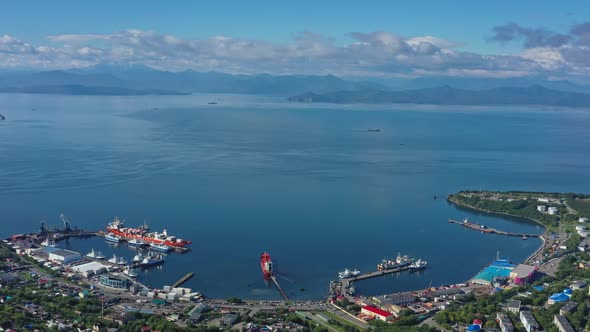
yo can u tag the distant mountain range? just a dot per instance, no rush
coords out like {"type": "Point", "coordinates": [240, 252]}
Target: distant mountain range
{"type": "Point", "coordinates": [143, 78]}
{"type": "Point", "coordinates": [136, 79]}
{"type": "Point", "coordinates": [446, 95]}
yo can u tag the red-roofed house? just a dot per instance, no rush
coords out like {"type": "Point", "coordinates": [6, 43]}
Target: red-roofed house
{"type": "Point", "coordinates": [377, 313]}
{"type": "Point", "coordinates": [477, 322]}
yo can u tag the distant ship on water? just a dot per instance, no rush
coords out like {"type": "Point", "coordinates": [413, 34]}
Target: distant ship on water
{"type": "Point", "coordinates": [266, 265]}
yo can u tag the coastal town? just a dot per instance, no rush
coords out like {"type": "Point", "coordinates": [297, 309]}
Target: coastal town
{"type": "Point", "coordinates": [47, 288]}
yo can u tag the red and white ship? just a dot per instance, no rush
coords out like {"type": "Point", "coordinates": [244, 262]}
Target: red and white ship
{"type": "Point", "coordinates": [266, 265]}
{"type": "Point", "coordinates": [117, 227]}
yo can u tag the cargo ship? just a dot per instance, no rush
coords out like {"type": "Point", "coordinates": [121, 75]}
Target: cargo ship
{"type": "Point", "coordinates": [266, 265]}
{"type": "Point", "coordinates": [117, 228]}
{"type": "Point", "coordinates": [399, 262]}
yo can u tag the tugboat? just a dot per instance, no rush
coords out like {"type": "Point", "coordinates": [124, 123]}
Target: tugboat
{"type": "Point", "coordinates": [129, 271]}
{"type": "Point", "coordinates": [348, 273]}
{"type": "Point", "coordinates": [418, 265]}
{"type": "Point", "coordinates": [95, 254]}
{"type": "Point", "coordinates": [266, 265]}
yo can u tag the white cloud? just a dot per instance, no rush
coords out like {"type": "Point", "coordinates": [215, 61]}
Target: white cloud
{"type": "Point", "coordinates": [378, 53]}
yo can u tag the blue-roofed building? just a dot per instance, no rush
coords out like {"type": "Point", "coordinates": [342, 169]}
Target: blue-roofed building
{"type": "Point", "coordinates": [558, 298]}
{"type": "Point", "coordinates": [473, 327]}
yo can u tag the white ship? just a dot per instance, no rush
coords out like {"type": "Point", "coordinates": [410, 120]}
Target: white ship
{"type": "Point", "coordinates": [129, 271]}
{"type": "Point", "coordinates": [348, 273]}
{"type": "Point", "coordinates": [418, 265]}
{"type": "Point", "coordinates": [95, 254]}
{"type": "Point", "coordinates": [48, 243]}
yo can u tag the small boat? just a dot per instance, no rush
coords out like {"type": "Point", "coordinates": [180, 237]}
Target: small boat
{"type": "Point", "coordinates": [95, 254]}
{"type": "Point", "coordinates": [212, 103]}
{"type": "Point", "coordinates": [137, 258]}
{"type": "Point", "coordinates": [160, 247]}
{"type": "Point", "coordinates": [136, 243]}
{"type": "Point", "coordinates": [129, 271]}
{"type": "Point", "coordinates": [112, 238]}
{"type": "Point", "coordinates": [374, 130]}
{"type": "Point", "coordinates": [113, 260]}
{"type": "Point", "coordinates": [524, 237]}
{"type": "Point", "coordinates": [348, 273]}
{"type": "Point", "coordinates": [48, 243]}
{"type": "Point", "coordinates": [2, 117]}
{"type": "Point", "coordinates": [351, 289]}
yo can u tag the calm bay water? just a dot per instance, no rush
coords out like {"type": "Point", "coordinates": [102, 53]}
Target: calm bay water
{"type": "Point", "coordinates": [308, 183]}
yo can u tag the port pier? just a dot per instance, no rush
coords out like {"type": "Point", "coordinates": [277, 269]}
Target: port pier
{"type": "Point", "coordinates": [484, 229]}
{"type": "Point", "coordinates": [283, 294]}
{"type": "Point", "coordinates": [183, 279]}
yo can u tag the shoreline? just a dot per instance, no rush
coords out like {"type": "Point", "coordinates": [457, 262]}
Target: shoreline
{"type": "Point", "coordinates": [542, 236]}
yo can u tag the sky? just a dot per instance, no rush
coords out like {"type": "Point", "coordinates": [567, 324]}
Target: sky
{"type": "Point", "coordinates": [500, 39]}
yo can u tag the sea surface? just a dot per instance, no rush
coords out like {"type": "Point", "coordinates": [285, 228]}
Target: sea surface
{"type": "Point", "coordinates": [306, 182]}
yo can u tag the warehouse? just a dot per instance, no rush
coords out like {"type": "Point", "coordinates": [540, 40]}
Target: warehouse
{"type": "Point", "coordinates": [64, 256]}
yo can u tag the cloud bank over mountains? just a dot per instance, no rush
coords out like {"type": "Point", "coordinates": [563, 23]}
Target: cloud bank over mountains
{"type": "Point", "coordinates": [544, 53]}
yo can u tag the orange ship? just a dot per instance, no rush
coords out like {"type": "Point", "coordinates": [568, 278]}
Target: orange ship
{"type": "Point", "coordinates": [266, 265]}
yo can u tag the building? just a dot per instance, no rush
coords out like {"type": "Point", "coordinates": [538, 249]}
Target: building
{"type": "Point", "coordinates": [528, 321]}
{"type": "Point", "coordinates": [64, 256]}
{"type": "Point", "coordinates": [562, 324]}
{"type": "Point", "coordinates": [400, 299]}
{"type": "Point", "coordinates": [541, 208]}
{"type": "Point", "coordinates": [523, 274]}
{"type": "Point", "coordinates": [513, 306]}
{"type": "Point", "coordinates": [504, 322]}
{"type": "Point", "coordinates": [552, 210]}
{"type": "Point", "coordinates": [580, 284]}
{"type": "Point", "coordinates": [90, 268]}
{"type": "Point", "coordinates": [113, 282]}
{"type": "Point", "coordinates": [583, 220]}
{"type": "Point", "coordinates": [377, 313]}
{"type": "Point", "coordinates": [568, 308]}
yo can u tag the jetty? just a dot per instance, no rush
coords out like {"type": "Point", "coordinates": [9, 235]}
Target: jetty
{"type": "Point", "coordinates": [183, 279]}
{"type": "Point", "coordinates": [346, 281]}
{"type": "Point", "coordinates": [484, 229]}
{"type": "Point", "coordinates": [283, 294]}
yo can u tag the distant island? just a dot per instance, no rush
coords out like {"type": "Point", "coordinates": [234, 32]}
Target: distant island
{"type": "Point", "coordinates": [88, 90]}
{"type": "Point", "coordinates": [446, 95]}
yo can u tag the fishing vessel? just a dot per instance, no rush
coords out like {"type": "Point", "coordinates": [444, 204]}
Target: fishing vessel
{"type": "Point", "coordinates": [129, 271]}
{"type": "Point", "coordinates": [351, 289]}
{"type": "Point", "coordinates": [48, 243]}
{"type": "Point", "coordinates": [160, 247]}
{"type": "Point", "coordinates": [348, 273]}
{"type": "Point", "coordinates": [399, 262]}
{"type": "Point", "coordinates": [266, 265]}
{"type": "Point", "coordinates": [118, 228]}
{"type": "Point", "coordinates": [117, 260]}
{"type": "Point", "coordinates": [524, 237]}
{"type": "Point", "coordinates": [136, 243]}
{"type": "Point", "coordinates": [418, 265]}
{"type": "Point", "coordinates": [152, 260]}
{"type": "Point", "coordinates": [112, 238]}
{"type": "Point", "coordinates": [95, 254]}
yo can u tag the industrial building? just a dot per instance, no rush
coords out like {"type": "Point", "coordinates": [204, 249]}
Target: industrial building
{"type": "Point", "coordinates": [64, 256]}
{"type": "Point", "coordinates": [113, 282]}
{"type": "Point", "coordinates": [377, 313]}
{"type": "Point", "coordinates": [523, 274]}
{"type": "Point", "coordinates": [513, 306]}
{"type": "Point", "coordinates": [91, 268]}
{"type": "Point", "coordinates": [528, 321]}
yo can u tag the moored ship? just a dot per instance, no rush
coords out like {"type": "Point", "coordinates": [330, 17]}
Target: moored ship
{"type": "Point", "coordinates": [418, 265]}
{"type": "Point", "coordinates": [111, 238]}
{"type": "Point", "coordinates": [136, 243]}
{"type": "Point", "coordinates": [398, 262]}
{"type": "Point", "coordinates": [266, 265]}
{"type": "Point", "coordinates": [348, 273]}
{"type": "Point", "coordinates": [117, 228]}
{"type": "Point", "coordinates": [129, 271]}
{"type": "Point", "coordinates": [95, 254]}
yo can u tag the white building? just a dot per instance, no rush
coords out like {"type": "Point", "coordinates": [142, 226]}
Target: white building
{"type": "Point", "coordinates": [583, 220]}
{"type": "Point", "coordinates": [91, 268]}
{"type": "Point", "coordinates": [552, 210]}
{"type": "Point", "coordinates": [64, 256]}
{"type": "Point", "coordinates": [541, 208]}
{"type": "Point", "coordinates": [529, 322]}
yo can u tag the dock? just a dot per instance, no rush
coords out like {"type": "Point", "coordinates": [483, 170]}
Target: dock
{"type": "Point", "coordinates": [183, 280]}
{"type": "Point", "coordinates": [374, 274]}
{"type": "Point", "coordinates": [485, 229]}
{"type": "Point", "coordinates": [283, 294]}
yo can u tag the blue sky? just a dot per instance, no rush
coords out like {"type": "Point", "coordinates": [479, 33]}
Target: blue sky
{"type": "Point", "coordinates": [468, 25]}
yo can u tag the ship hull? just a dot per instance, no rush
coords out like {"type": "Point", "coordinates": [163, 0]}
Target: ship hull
{"type": "Point", "coordinates": [266, 265]}
{"type": "Point", "coordinates": [147, 239]}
